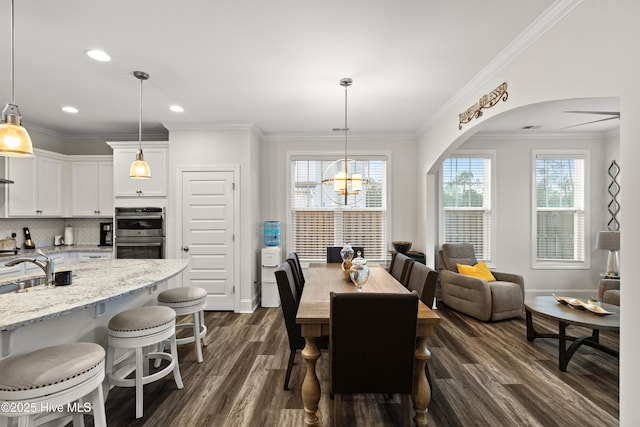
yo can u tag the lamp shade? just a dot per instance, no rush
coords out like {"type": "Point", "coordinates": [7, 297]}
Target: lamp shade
{"type": "Point", "coordinates": [139, 167]}
{"type": "Point", "coordinates": [609, 240]}
{"type": "Point", "coordinates": [15, 141]}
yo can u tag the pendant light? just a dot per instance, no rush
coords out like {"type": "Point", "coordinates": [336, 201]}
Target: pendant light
{"type": "Point", "coordinates": [14, 139]}
{"type": "Point", "coordinates": [344, 179]}
{"type": "Point", "coordinates": [139, 168]}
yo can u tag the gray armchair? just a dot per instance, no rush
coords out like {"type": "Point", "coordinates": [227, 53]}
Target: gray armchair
{"type": "Point", "coordinates": [609, 291]}
{"type": "Point", "coordinates": [479, 298]}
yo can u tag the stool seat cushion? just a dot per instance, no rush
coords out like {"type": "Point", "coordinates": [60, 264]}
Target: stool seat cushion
{"type": "Point", "coordinates": [49, 365]}
{"type": "Point", "coordinates": [141, 318]}
{"type": "Point", "coordinates": [180, 295]}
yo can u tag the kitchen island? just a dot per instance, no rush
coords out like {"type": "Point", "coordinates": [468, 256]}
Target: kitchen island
{"type": "Point", "coordinates": [80, 311]}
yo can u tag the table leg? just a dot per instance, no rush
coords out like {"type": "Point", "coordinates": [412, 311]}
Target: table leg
{"type": "Point", "coordinates": [562, 345]}
{"type": "Point", "coordinates": [311, 385]}
{"type": "Point", "coordinates": [421, 395]}
{"type": "Point", "coordinates": [531, 333]}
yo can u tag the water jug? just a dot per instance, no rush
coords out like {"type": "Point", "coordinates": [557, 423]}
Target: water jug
{"type": "Point", "coordinates": [272, 233]}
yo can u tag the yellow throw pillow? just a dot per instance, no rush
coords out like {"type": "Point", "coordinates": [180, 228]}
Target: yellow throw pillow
{"type": "Point", "coordinates": [480, 270]}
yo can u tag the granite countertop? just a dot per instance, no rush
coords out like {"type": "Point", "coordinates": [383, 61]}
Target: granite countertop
{"type": "Point", "coordinates": [93, 283]}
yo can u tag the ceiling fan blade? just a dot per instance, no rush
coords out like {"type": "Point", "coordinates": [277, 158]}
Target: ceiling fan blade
{"type": "Point", "coordinates": [605, 113]}
{"type": "Point", "coordinates": [595, 121]}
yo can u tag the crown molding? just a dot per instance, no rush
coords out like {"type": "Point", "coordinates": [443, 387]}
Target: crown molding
{"type": "Point", "coordinates": [176, 127]}
{"type": "Point", "coordinates": [337, 136]}
{"type": "Point", "coordinates": [543, 24]}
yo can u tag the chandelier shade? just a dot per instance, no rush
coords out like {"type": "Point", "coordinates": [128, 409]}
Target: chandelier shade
{"type": "Point", "coordinates": [14, 139]}
{"type": "Point", "coordinates": [139, 167]}
{"type": "Point", "coordinates": [345, 178]}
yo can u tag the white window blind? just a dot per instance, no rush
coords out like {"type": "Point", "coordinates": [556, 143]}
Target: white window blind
{"type": "Point", "coordinates": [317, 222]}
{"type": "Point", "coordinates": [560, 203]}
{"type": "Point", "coordinates": [466, 202]}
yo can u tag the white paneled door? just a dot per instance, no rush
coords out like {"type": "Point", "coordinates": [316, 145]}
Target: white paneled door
{"type": "Point", "coordinates": [207, 235]}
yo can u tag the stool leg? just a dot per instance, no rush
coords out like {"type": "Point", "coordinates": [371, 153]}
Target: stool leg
{"type": "Point", "coordinates": [196, 335]}
{"type": "Point", "coordinates": [99, 415]}
{"type": "Point", "coordinates": [109, 369]}
{"type": "Point", "coordinates": [78, 420]}
{"type": "Point", "coordinates": [26, 421]}
{"type": "Point", "coordinates": [139, 373]}
{"type": "Point", "coordinates": [176, 367]}
{"type": "Point", "coordinates": [205, 341]}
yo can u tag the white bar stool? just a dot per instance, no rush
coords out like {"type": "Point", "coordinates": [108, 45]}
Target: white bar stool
{"type": "Point", "coordinates": [140, 329]}
{"type": "Point", "coordinates": [188, 300]}
{"type": "Point", "coordinates": [54, 380]}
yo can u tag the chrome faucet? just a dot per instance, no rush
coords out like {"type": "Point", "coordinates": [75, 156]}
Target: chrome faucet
{"type": "Point", "coordinates": [47, 265]}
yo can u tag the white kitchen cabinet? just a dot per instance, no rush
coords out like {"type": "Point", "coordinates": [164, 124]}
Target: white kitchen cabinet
{"type": "Point", "coordinates": [155, 153]}
{"type": "Point", "coordinates": [37, 188]}
{"type": "Point", "coordinates": [92, 187]}
{"type": "Point", "coordinates": [86, 256]}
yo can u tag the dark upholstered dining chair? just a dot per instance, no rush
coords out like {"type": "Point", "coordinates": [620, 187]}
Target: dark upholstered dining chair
{"type": "Point", "coordinates": [423, 280]}
{"type": "Point", "coordinates": [298, 275]}
{"type": "Point", "coordinates": [355, 326]}
{"type": "Point", "coordinates": [400, 267]}
{"type": "Point", "coordinates": [289, 302]}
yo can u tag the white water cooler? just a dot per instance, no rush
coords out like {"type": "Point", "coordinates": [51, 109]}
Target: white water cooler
{"type": "Point", "coordinates": [271, 258]}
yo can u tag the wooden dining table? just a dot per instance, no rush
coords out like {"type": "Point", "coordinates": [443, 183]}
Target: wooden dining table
{"type": "Point", "coordinates": [313, 316]}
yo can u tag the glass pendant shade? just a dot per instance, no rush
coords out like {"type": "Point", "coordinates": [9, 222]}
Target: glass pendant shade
{"type": "Point", "coordinates": [139, 168]}
{"type": "Point", "coordinates": [15, 141]}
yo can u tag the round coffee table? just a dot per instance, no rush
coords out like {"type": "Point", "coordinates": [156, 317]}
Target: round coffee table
{"type": "Point", "coordinates": [549, 308]}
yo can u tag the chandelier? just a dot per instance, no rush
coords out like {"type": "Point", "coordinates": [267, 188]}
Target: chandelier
{"type": "Point", "coordinates": [345, 178]}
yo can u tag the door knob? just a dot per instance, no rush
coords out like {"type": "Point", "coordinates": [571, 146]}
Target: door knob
{"type": "Point", "coordinates": [185, 248]}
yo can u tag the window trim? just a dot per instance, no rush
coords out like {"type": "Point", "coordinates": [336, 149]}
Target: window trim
{"type": "Point", "coordinates": [559, 264]}
{"type": "Point", "coordinates": [490, 154]}
{"type": "Point", "coordinates": [332, 155]}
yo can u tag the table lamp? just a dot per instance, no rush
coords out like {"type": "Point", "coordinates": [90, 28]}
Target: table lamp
{"type": "Point", "coordinates": [610, 240]}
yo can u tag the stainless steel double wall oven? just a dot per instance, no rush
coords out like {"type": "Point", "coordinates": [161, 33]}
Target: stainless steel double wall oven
{"type": "Point", "coordinates": [140, 233]}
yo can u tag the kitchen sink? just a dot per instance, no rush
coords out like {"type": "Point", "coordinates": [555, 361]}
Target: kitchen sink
{"type": "Point", "coordinates": [12, 286]}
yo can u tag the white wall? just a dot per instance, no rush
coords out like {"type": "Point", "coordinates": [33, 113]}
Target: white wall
{"type": "Point", "coordinates": [592, 53]}
{"type": "Point", "coordinates": [401, 172]}
{"type": "Point", "coordinates": [513, 198]}
{"type": "Point", "coordinates": [223, 147]}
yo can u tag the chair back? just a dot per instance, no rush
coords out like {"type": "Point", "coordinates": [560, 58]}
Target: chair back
{"type": "Point", "coordinates": [423, 280]}
{"type": "Point", "coordinates": [298, 278]}
{"type": "Point", "coordinates": [457, 253]}
{"type": "Point", "coordinates": [333, 253]}
{"type": "Point", "coordinates": [298, 271]}
{"type": "Point", "coordinates": [401, 266]}
{"type": "Point", "coordinates": [370, 352]}
{"type": "Point", "coordinates": [289, 301]}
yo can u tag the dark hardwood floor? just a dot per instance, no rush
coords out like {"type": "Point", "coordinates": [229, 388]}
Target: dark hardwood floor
{"type": "Point", "coordinates": [483, 374]}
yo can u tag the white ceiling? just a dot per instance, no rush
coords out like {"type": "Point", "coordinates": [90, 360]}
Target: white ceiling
{"type": "Point", "coordinates": [275, 64]}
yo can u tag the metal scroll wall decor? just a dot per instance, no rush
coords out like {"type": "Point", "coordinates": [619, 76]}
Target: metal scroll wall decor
{"type": "Point", "coordinates": [486, 101]}
{"type": "Point", "coordinates": [613, 189]}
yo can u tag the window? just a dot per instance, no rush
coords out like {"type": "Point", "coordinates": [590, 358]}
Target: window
{"type": "Point", "coordinates": [316, 222]}
{"type": "Point", "coordinates": [466, 202]}
{"type": "Point", "coordinates": [559, 217]}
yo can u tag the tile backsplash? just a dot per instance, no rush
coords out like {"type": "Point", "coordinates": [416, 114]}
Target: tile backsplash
{"type": "Point", "coordinates": [86, 231]}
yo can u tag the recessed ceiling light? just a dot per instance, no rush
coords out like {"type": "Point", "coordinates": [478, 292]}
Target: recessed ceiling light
{"type": "Point", "coordinates": [176, 109]}
{"type": "Point", "coordinates": [98, 55]}
{"type": "Point", "coordinates": [70, 109]}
